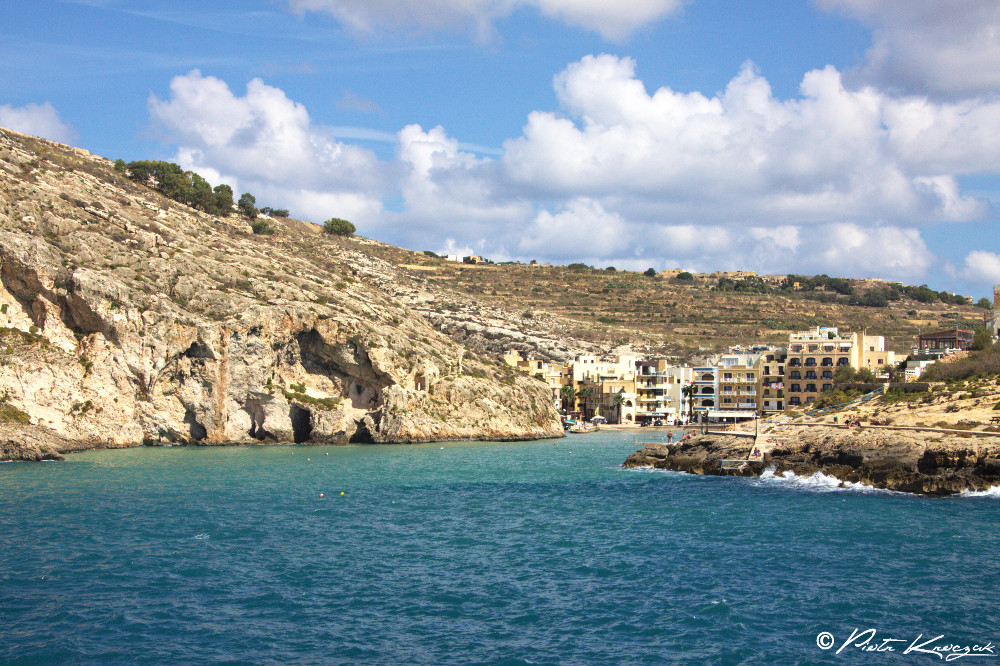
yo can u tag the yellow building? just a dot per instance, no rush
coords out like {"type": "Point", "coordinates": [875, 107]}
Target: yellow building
{"type": "Point", "coordinates": [553, 374]}
{"type": "Point", "coordinates": [815, 355]}
{"type": "Point", "coordinates": [739, 379]}
{"type": "Point", "coordinates": [771, 391]}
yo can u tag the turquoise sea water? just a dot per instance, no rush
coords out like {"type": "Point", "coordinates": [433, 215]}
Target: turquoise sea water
{"type": "Point", "coordinates": [522, 553]}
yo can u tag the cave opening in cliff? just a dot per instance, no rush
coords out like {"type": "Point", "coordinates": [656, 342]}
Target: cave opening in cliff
{"type": "Point", "coordinates": [362, 435]}
{"type": "Point", "coordinates": [302, 425]}
{"type": "Point", "coordinates": [196, 430]}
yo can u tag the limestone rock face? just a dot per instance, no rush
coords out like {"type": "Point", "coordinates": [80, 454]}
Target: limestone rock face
{"type": "Point", "coordinates": [907, 461]}
{"type": "Point", "coordinates": [132, 319]}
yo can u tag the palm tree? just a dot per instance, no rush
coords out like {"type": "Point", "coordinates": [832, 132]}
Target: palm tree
{"type": "Point", "coordinates": [584, 393]}
{"type": "Point", "coordinates": [618, 401]}
{"type": "Point", "coordinates": [568, 396]}
{"type": "Point", "coordinates": [688, 391]}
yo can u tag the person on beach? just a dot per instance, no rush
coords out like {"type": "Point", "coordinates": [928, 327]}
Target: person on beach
{"type": "Point", "coordinates": [670, 436]}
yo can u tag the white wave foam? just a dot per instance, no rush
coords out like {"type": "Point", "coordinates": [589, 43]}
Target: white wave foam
{"type": "Point", "coordinates": [818, 482]}
{"type": "Point", "coordinates": [992, 492]}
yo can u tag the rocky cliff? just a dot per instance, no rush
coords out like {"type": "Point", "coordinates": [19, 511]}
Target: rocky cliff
{"type": "Point", "coordinates": [909, 461]}
{"type": "Point", "coordinates": [127, 318]}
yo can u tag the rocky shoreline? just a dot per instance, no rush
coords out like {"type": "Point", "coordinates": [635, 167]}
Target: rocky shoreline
{"type": "Point", "coordinates": [27, 443]}
{"type": "Point", "coordinates": [924, 463]}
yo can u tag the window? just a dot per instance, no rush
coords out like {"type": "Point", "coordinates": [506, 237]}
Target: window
{"type": "Point", "coordinates": [810, 388]}
{"type": "Point", "coordinates": [811, 361]}
{"type": "Point", "coordinates": [781, 369]}
{"type": "Point", "coordinates": [827, 387]}
{"type": "Point", "coordinates": [795, 374]}
{"type": "Point", "coordinates": [827, 361]}
{"type": "Point", "coordinates": [880, 361]}
{"type": "Point", "coordinates": [794, 363]}
{"type": "Point", "coordinates": [813, 348]}
{"type": "Point", "coordinates": [810, 374]}
{"type": "Point", "coordinates": [728, 376]}
{"type": "Point", "coordinates": [827, 374]}
{"type": "Point", "coordinates": [794, 401]}
{"type": "Point", "coordinates": [751, 377]}
{"type": "Point", "coordinates": [842, 361]}
{"type": "Point", "coordinates": [794, 388]}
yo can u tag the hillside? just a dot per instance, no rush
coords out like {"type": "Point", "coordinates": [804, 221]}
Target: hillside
{"type": "Point", "coordinates": [552, 310]}
{"type": "Point", "coordinates": [128, 318]}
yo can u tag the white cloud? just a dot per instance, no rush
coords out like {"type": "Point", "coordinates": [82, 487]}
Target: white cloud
{"type": "Point", "coordinates": [835, 181]}
{"type": "Point", "coordinates": [982, 267]}
{"type": "Point", "coordinates": [832, 155]}
{"type": "Point", "coordinates": [40, 120]}
{"type": "Point", "coordinates": [929, 47]}
{"type": "Point", "coordinates": [865, 251]}
{"type": "Point", "coordinates": [582, 229]}
{"type": "Point", "coordinates": [265, 143]}
{"type": "Point", "coordinates": [613, 21]}
{"type": "Point", "coordinates": [445, 190]}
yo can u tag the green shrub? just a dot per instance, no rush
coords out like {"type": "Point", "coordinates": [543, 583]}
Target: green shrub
{"type": "Point", "coordinates": [339, 227]}
{"type": "Point", "coordinates": [11, 414]}
{"type": "Point", "coordinates": [262, 227]}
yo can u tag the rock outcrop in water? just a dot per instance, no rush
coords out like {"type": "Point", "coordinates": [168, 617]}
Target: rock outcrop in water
{"type": "Point", "coordinates": [127, 318]}
{"type": "Point", "coordinates": [909, 461]}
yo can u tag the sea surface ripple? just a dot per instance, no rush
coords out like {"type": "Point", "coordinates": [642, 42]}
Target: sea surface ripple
{"type": "Point", "coordinates": [501, 553]}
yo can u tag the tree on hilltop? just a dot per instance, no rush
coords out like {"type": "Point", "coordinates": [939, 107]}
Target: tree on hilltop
{"type": "Point", "coordinates": [223, 196]}
{"type": "Point", "coordinates": [338, 227]}
{"type": "Point", "coordinates": [247, 205]}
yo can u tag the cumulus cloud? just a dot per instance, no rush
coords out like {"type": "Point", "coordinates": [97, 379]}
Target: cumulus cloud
{"type": "Point", "coordinates": [833, 154]}
{"type": "Point", "coordinates": [982, 267]}
{"type": "Point", "coordinates": [265, 143]}
{"type": "Point", "coordinates": [613, 21]}
{"type": "Point", "coordinates": [837, 180]}
{"type": "Point", "coordinates": [582, 229]}
{"type": "Point", "coordinates": [445, 189]}
{"type": "Point", "coordinates": [928, 46]}
{"type": "Point", "coordinates": [37, 120]}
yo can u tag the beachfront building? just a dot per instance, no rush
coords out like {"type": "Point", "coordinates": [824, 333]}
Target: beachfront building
{"type": "Point", "coordinates": [771, 396]}
{"type": "Point", "coordinates": [875, 356]}
{"type": "Point", "coordinates": [739, 380]}
{"type": "Point", "coordinates": [553, 374]}
{"type": "Point", "coordinates": [993, 324]}
{"type": "Point", "coordinates": [617, 400]}
{"type": "Point", "coordinates": [813, 357]}
{"type": "Point", "coordinates": [705, 390]}
{"type": "Point", "coordinates": [659, 388]}
{"type": "Point", "coordinates": [945, 341]}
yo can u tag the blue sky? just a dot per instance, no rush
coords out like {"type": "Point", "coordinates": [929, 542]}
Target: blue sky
{"type": "Point", "coordinates": [858, 138]}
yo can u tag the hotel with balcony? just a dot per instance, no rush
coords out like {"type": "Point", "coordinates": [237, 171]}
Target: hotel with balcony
{"type": "Point", "coordinates": [815, 355]}
{"type": "Point", "coordinates": [772, 385]}
{"type": "Point", "coordinates": [705, 395]}
{"type": "Point", "coordinates": [739, 378]}
{"type": "Point", "coordinates": [660, 396]}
